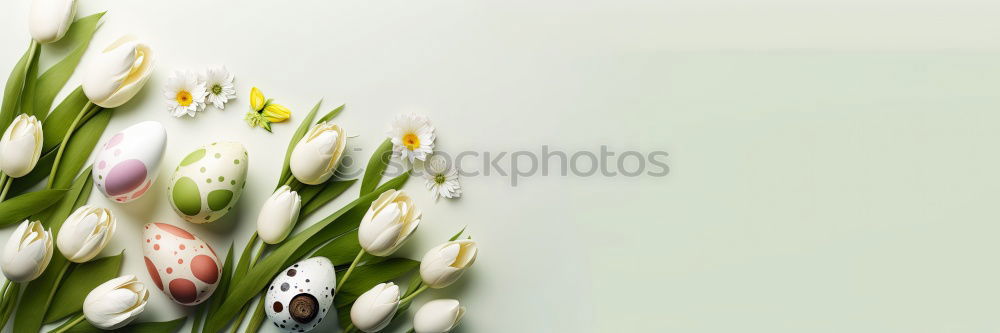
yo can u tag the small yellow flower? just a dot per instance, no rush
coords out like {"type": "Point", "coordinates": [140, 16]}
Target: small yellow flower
{"type": "Point", "coordinates": [276, 113]}
{"type": "Point", "coordinates": [256, 99]}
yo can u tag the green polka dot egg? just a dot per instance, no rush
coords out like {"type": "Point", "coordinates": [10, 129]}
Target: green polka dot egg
{"type": "Point", "coordinates": [208, 182]}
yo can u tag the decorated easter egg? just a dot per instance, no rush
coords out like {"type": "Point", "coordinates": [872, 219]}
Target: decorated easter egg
{"type": "Point", "coordinates": [182, 265]}
{"type": "Point", "coordinates": [301, 295]}
{"type": "Point", "coordinates": [208, 182]}
{"type": "Point", "coordinates": [126, 165]}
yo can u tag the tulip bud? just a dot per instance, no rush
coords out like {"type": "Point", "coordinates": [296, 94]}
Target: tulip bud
{"type": "Point", "coordinates": [116, 74]}
{"type": "Point", "coordinates": [315, 156]}
{"type": "Point", "coordinates": [27, 252]}
{"type": "Point", "coordinates": [48, 20]}
{"type": "Point", "coordinates": [444, 264]}
{"type": "Point", "coordinates": [278, 215]}
{"type": "Point", "coordinates": [388, 223]}
{"type": "Point", "coordinates": [373, 310]}
{"type": "Point", "coordinates": [115, 303]}
{"type": "Point", "coordinates": [85, 233]}
{"type": "Point", "coordinates": [21, 146]}
{"type": "Point", "coordinates": [276, 113]}
{"type": "Point", "coordinates": [438, 316]}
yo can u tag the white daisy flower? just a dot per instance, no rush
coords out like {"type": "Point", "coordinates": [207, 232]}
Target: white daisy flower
{"type": "Point", "coordinates": [185, 94]}
{"type": "Point", "coordinates": [219, 84]}
{"type": "Point", "coordinates": [442, 179]}
{"type": "Point", "coordinates": [412, 137]}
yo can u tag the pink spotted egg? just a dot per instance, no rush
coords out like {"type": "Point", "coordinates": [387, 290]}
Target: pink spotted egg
{"type": "Point", "coordinates": [125, 166]}
{"type": "Point", "coordinates": [183, 266]}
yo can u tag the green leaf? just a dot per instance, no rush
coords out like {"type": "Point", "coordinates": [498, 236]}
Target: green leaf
{"type": "Point", "coordinates": [77, 196]}
{"type": "Point", "coordinates": [38, 295]}
{"type": "Point", "coordinates": [333, 113]}
{"type": "Point", "coordinates": [56, 124]}
{"type": "Point", "coordinates": [376, 167]}
{"type": "Point", "coordinates": [53, 80]}
{"type": "Point", "coordinates": [79, 147]}
{"type": "Point", "coordinates": [244, 263]}
{"type": "Point", "coordinates": [330, 190]}
{"type": "Point", "coordinates": [227, 274]}
{"type": "Point", "coordinates": [342, 250]}
{"type": "Point", "coordinates": [257, 278]}
{"type": "Point", "coordinates": [30, 80]}
{"type": "Point", "coordinates": [257, 318]}
{"type": "Point", "coordinates": [79, 282]}
{"type": "Point", "coordinates": [150, 327]}
{"type": "Point", "coordinates": [366, 277]}
{"type": "Point", "coordinates": [10, 106]}
{"type": "Point", "coordinates": [20, 207]}
{"type": "Point", "coordinates": [299, 133]}
{"type": "Point", "coordinates": [456, 236]}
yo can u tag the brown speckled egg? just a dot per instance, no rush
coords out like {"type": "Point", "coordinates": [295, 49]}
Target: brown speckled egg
{"type": "Point", "coordinates": [182, 265]}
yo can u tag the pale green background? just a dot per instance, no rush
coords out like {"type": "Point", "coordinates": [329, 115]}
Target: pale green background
{"type": "Point", "coordinates": [833, 164]}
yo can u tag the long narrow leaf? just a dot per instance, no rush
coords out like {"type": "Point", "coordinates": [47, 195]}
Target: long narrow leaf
{"type": "Point", "coordinates": [331, 190]}
{"type": "Point", "coordinates": [376, 167]}
{"type": "Point", "coordinates": [20, 207]}
{"type": "Point", "coordinates": [333, 113]}
{"type": "Point", "coordinates": [30, 81]}
{"type": "Point", "coordinates": [76, 196]}
{"type": "Point", "coordinates": [56, 124]}
{"type": "Point", "coordinates": [53, 80]}
{"type": "Point", "coordinates": [79, 282]}
{"type": "Point", "coordinates": [341, 250]}
{"type": "Point", "coordinates": [15, 85]}
{"type": "Point", "coordinates": [79, 147]}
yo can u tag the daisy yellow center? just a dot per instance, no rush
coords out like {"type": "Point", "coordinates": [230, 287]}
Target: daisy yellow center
{"type": "Point", "coordinates": [440, 179]}
{"type": "Point", "coordinates": [216, 89]}
{"type": "Point", "coordinates": [183, 98]}
{"type": "Point", "coordinates": [411, 141]}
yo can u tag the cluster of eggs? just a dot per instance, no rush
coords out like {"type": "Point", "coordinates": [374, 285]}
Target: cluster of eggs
{"type": "Point", "coordinates": [204, 187]}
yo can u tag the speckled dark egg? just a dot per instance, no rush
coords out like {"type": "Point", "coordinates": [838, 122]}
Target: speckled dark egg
{"type": "Point", "coordinates": [301, 295]}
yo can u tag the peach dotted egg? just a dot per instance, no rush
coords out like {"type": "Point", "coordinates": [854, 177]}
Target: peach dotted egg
{"type": "Point", "coordinates": [188, 275]}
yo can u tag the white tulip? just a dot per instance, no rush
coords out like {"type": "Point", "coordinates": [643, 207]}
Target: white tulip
{"type": "Point", "coordinates": [21, 146]}
{"type": "Point", "coordinates": [48, 20]}
{"type": "Point", "coordinates": [388, 223]}
{"type": "Point", "coordinates": [115, 303]}
{"type": "Point", "coordinates": [85, 233]}
{"type": "Point", "coordinates": [445, 263]}
{"type": "Point", "coordinates": [315, 156]}
{"type": "Point", "coordinates": [278, 215]}
{"type": "Point", "coordinates": [116, 74]}
{"type": "Point", "coordinates": [27, 252]}
{"type": "Point", "coordinates": [438, 316]}
{"type": "Point", "coordinates": [373, 310]}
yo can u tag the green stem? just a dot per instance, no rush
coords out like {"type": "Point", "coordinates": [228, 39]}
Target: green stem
{"type": "Point", "coordinates": [407, 299]}
{"type": "Point", "coordinates": [239, 319]}
{"type": "Point", "coordinates": [349, 270]}
{"type": "Point", "coordinates": [411, 330]}
{"type": "Point", "coordinates": [350, 327]}
{"type": "Point", "coordinates": [6, 187]}
{"type": "Point", "coordinates": [62, 146]}
{"type": "Point", "coordinates": [257, 318]}
{"type": "Point", "coordinates": [69, 324]}
{"type": "Point", "coordinates": [260, 252]}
